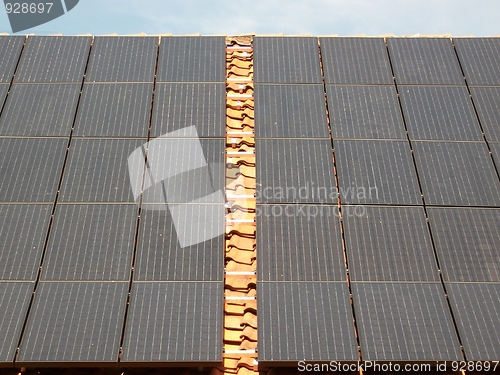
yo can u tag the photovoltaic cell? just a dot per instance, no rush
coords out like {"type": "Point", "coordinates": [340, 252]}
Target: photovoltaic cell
{"type": "Point", "coordinates": [14, 302]}
{"type": "Point", "coordinates": [23, 229]}
{"type": "Point", "coordinates": [295, 171]}
{"type": "Point", "coordinates": [380, 172]}
{"type": "Point", "coordinates": [4, 89]}
{"type": "Point", "coordinates": [174, 322]}
{"type": "Point", "coordinates": [31, 169]}
{"type": "Point", "coordinates": [390, 244]}
{"type": "Point", "coordinates": [54, 59]}
{"type": "Point", "coordinates": [439, 113]}
{"type": "Point", "coordinates": [365, 112]}
{"type": "Point", "coordinates": [355, 61]}
{"type": "Point", "coordinates": [74, 323]}
{"type": "Point", "coordinates": [97, 170]}
{"type": "Point", "coordinates": [122, 59]}
{"type": "Point", "coordinates": [486, 100]}
{"type": "Point", "coordinates": [192, 59]}
{"type": "Point", "coordinates": [91, 242]}
{"type": "Point", "coordinates": [290, 111]}
{"type": "Point", "coordinates": [404, 322]}
{"type": "Point", "coordinates": [286, 60]}
{"type": "Point", "coordinates": [424, 61]}
{"type": "Point", "coordinates": [294, 246]}
{"type": "Point", "coordinates": [114, 110]}
{"type": "Point", "coordinates": [467, 242]}
{"type": "Point", "coordinates": [186, 104]}
{"type": "Point", "coordinates": [477, 311]}
{"type": "Point", "coordinates": [480, 59]}
{"type": "Point", "coordinates": [305, 321]}
{"type": "Point", "coordinates": [40, 110]}
{"type": "Point", "coordinates": [11, 47]}
{"type": "Point", "coordinates": [495, 150]}
{"type": "Point", "coordinates": [457, 174]}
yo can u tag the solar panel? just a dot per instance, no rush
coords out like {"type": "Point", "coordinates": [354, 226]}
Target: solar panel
{"type": "Point", "coordinates": [404, 322]}
{"type": "Point", "coordinates": [466, 241]}
{"type": "Point", "coordinates": [290, 111]}
{"type": "Point", "coordinates": [355, 61]}
{"type": "Point", "coordinates": [23, 229]}
{"type": "Point", "coordinates": [186, 104]}
{"type": "Point", "coordinates": [192, 59]}
{"type": "Point", "coordinates": [295, 171]}
{"type": "Point", "coordinates": [114, 110]}
{"type": "Point", "coordinates": [495, 150]}
{"type": "Point", "coordinates": [480, 60]}
{"type": "Point", "coordinates": [365, 112]}
{"type": "Point", "coordinates": [424, 61]}
{"type": "Point", "coordinates": [457, 174]}
{"type": "Point", "coordinates": [389, 244]}
{"type": "Point", "coordinates": [299, 243]}
{"type": "Point", "coordinates": [14, 301]}
{"type": "Point", "coordinates": [11, 47]}
{"type": "Point", "coordinates": [181, 246]}
{"type": "Point", "coordinates": [305, 321]}
{"type": "Point", "coordinates": [174, 322]}
{"type": "Point", "coordinates": [477, 312]}
{"type": "Point", "coordinates": [73, 323]}
{"type": "Point", "coordinates": [97, 171]}
{"type": "Point", "coordinates": [54, 59]}
{"type": "Point", "coordinates": [122, 59]}
{"type": "Point", "coordinates": [286, 60]}
{"type": "Point", "coordinates": [91, 242]}
{"type": "Point", "coordinates": [439, 113]}
{"type": "Point", "coordinates": [4, 89]}
{"type": "Point", "coordinates": [40, 110]}
{"type": "Point", "coordinates": [31, 169]}
{"type": "Point", "coordinates": [486, 100]}
{"type": "Point", "coordinates": [379, 172]}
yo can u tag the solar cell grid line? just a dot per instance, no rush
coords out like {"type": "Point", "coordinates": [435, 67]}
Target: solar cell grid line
{"type": "Point", "coordinates": [495, 150]}
{"type": "Point", "coordinates": [14, 300]}
{"type": "Point", "coordinates": [74, 324]}
{"type": "Point", "coordinates": [467, 241]}
{"type": "Point", "coordinates": [4, 89]}
{"type": "Point", "coordinates": [23, 229]}
{"type": "Point", "coordinates": [404, 322]}
{"type": "Point", "coordinates": [439, 113]}
{"type": "Point", "coordinates": [179, 105]}
{"type": "Point", "coordinates": [286, 60]}
{"type": "Point", "coordinates": [365, 112]}
{"type": "Point", "coordinates": [174, 322]}
{"type": "Point", "coordinates": [290, 111]}
{"type": "Point", "coordinates": [486, 101]}
{"type": "Point", "coordinates": [294, 246]}
{"type": "Point", "coordinates": [11, 47]}
{"type": "Point", "coordinates": [353, 61]}
{"type": "Point", "coordinates": [477, 311]}
{"type": "Point", "coordinates": [192, 59]}
{"type": "Point", "coordinates": [424, 61]}
{"type": "Point", "coordinates": [476, 183]}
{"type": "Point", "coordinates": [122, 59]}
{"type": "Point", "coordinates": [309, 321]}
{"type": "Point", "coordinates": [480, 60]}
{"type": "Point", "coordinates": [53, 59]}
{"type": "Point", "coordinates": [389, 244]}
{"type": "Point", "coordinates": [40, 110]}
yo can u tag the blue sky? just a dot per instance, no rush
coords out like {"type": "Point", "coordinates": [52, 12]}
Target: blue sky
{"type": "Point", "coordinates": [316, 17]}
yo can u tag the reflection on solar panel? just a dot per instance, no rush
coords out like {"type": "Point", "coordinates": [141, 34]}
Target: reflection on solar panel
{"type": "Point", "coordinates": [365, 112]}
{"type": "Point", "coordinates": [439, 113]}
{"type": "Point", "coordinates": [486, 100]}
{"type": "Point", "coordinates": [40, 110]}
{"type": "Point", "coordinates": [404, 322]}
{"type": "Point", "coordinates": [309, 320]}
{"type": "Point", "coordinates": [477, 312]}
{"type": "Point", "coordinates": [53, 59]}
{"type": "Point", "coordinates": [74, 323]}
{"type": "Point", "coordinates": [174, 322]}
{"type": "Point", "coordinates": [480, 59]}
{"type": "Point", "coordinates": [389, 244]}
{"type": "Point", "coordinates": [457, 174]}
{"type": "Point", "coordinates": [11, 47]}
{"type": "Point", "coordinates": [355, 61]}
